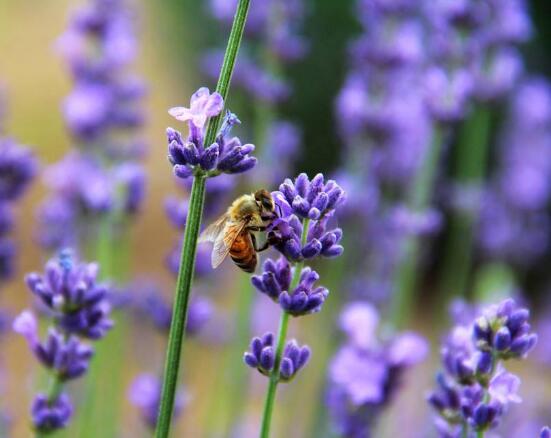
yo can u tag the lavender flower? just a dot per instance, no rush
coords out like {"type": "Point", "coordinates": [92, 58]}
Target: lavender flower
{"type": "Point", "coordinates": [48, 415]}
{"type": "Point", "coordinates": [275, 282]}
{"type": "Point", "coordinates": [79, 310]}
{"type": "Point", "coordinates": [365, 373]}
{"type": "Point", "coordinates": [70, 292]}
{"type": "Point", "coordinates": [102, 113]}
{"type": "Point", "coordinates": [545, 432]}
{"type": "Point", "coordinates": [316, 201]}
{"type": "Point", "coordinates": [68, 358]}
{"type": "Point", "coordinates": [514, 225]}
{"type": "Point", "coordinates": [262, 357]}
{"type": "Point", "coordinates": [18, 166]}
{"type": "Point", "coordinates": [475, 390]}
{"type": "Point", "coordinates": [145, 393]}
{"type": "Point", "coordinates": [225, 155]}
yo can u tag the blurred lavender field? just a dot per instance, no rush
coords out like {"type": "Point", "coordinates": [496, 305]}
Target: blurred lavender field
{"type": "Point", "coordinates": [407, 146]}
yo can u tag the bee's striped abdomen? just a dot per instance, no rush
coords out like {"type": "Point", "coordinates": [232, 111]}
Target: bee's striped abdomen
{"type": "Point", "coordinates": [243, 254]}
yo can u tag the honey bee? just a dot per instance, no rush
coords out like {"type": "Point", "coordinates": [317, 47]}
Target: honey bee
{"type": "Point", "coordinates": [233, 232]}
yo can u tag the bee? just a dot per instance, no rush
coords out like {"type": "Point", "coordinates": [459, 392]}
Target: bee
{"type": "Point", "coordinates": [233, 232]}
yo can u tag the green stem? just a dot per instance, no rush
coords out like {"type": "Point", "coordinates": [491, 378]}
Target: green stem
{"type": "Point", "coordinates": [419, 199]}
{"type": "Point", "coordinates": [281, 336]}
{"type": "Point", "coordinates": [480, 434]}
{"type": "Point", "coordinates": [471, 162]}
{"type": "Point", "coordinates": [191, 234]}
{"type": "Point", "coordinates": [465, 430]}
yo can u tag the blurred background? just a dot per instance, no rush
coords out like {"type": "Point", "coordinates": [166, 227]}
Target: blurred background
{"type": "Point", "coordinates": [173, 39]}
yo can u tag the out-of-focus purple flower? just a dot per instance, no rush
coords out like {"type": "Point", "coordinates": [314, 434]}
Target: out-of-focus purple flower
{"type": "Point", "coordinates": [49, 415]}
{"type": "Point", "coordinates": [145, 394]}
{"type": "Point", "coordinates": [67, 357]}
{"type": "Point", "coordinates": [275, 282]}
{"type": "Point", "coordinates": [262, 357]}
{"type": "Point", "coordinates": [225, 155]}
{"type": "Point", "coordinates": [365, 372]}
{"type": "Point", "coordinates": [18, 166]}
{"type": "Point", "coordinates": [70, 291]}
{"type": "Point", "coordinates": [514, 223]}
{"type": "Point", "coordinates": [545, 432]}
{"type": "Point", "coordinates": [475, 390]}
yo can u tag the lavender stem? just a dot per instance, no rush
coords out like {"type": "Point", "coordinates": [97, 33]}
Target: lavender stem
{"type": "Point", "coordinates": [472, 156]}
{"type": "Point", "coordinates": [281, 335]}
{"type": "Point", "coordinates": [419, 198]}
{"type": "Point", "coordinates": [191, 234]}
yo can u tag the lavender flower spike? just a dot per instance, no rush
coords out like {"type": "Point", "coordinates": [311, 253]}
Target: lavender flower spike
{"type": "Point", "coordinates": [275, 282]}
{"type": "Point", "coordinates": [71, 292]}
{"type": "Point", "coordinates": [262, 357]}
{"type": "Point", "coordinates": [48, 415]}
{"type": "Point", "coordinates": [475, 389]}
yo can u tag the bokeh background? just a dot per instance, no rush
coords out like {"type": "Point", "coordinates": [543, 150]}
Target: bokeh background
{"type": "Point", "coordinates": [173, 35]}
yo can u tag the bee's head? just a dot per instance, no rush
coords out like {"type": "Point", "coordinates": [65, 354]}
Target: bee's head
{"type": "Point", "coordinates": [264, 200]}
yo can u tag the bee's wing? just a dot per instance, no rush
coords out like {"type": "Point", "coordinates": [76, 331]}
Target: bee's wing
{"type": "Point", "coordinates": [211, 233]}
{"type": "Point", "coordinates": [224, 241]}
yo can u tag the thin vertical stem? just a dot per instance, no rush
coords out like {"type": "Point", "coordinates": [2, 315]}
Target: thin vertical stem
{"type": "Point", "coordinates": [419, 199]}
{"type": "Point", "coordinates": [480, 434]}
{"type": "Point", "coordinates": [191, 234]}
{"type": "Point", "coordinates": [280, 344]}
{"type": "Point", "coordinates": [472, 156]}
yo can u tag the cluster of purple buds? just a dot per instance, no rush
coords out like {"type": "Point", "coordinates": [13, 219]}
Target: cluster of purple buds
{"type": "Point", "coordinates": [225, 155]}
{"type": "Point", "coordinates": [69, 295]}
{"type": "Point", "coordinates": [307, 202]}
{"type": "Point", "coordinates": [475, 390]}
{"type": "Point", "coordinates": [262, 357]}
{"type": "Point", "coordinates": [68, 358]}
{"type": "Point", "coordinates": [98, 46]}
{"type": "Point", "coordinates": [145, 394]}
{"type": "Point", "coordinates": [366, 372]}
{"type": "Point", "coordinates": [51, 415]}
{"type": "Point", "coordinates": [17, 168]}
{"type": "Point", "coordinates": [275, 282]}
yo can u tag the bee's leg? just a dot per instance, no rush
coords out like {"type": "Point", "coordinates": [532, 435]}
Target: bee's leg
{"type": "Point", "coordinates": [258, 228]}
{"type": "Point", "coordinates": [264, 247]}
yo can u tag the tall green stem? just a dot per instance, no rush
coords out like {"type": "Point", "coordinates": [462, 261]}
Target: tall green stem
{"type": "Point", "coordinates": [471, 160]}
{"type": "Point", "coordinates": [419, 199]}
{"type": "Point", "coordinates": [281, 336]}
{"type": "Point", "coordinates": [191, 234]}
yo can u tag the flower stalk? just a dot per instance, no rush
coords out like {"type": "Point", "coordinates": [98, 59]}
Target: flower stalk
{"type": "Point", "coordinates": [191, 234]}
{"type": "Point", "coordinates": [472, 157]}
{"type": "Point", "coordinates": [419, 198]}
{"type": "Point", "coordinates": [281, 336]}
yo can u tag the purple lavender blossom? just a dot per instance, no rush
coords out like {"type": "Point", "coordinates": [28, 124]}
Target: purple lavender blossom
{"type": "Point", "coordinates": [145, 394]}
{"type": "Point", "coordinates": [475, 389]}
{"type": "Point", "coordinates": [514, 225]}
{"type": "Point", "coordinates": [275, 282]}
{"type": "Point", "coordinates": [364, 373]}
{"type": "Point", "coordinates": [316, 201]}
{"type": "Point", "coordinates": [69, 290]}
{"type": "Point", "coordinates": [545, 432]}
{"type": "Point", "coordinates": [79, 310]}
{"type": "Point", "coordinates": [50, 415]}
{"type": "Point", "coordinates": [262, 357]}
{"type": "Point", "coordinates": [67, 357]}
{"type": "Point", "coordinates": [18, 166]}
{"type": "Point", "coordinates": [225, 155]}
